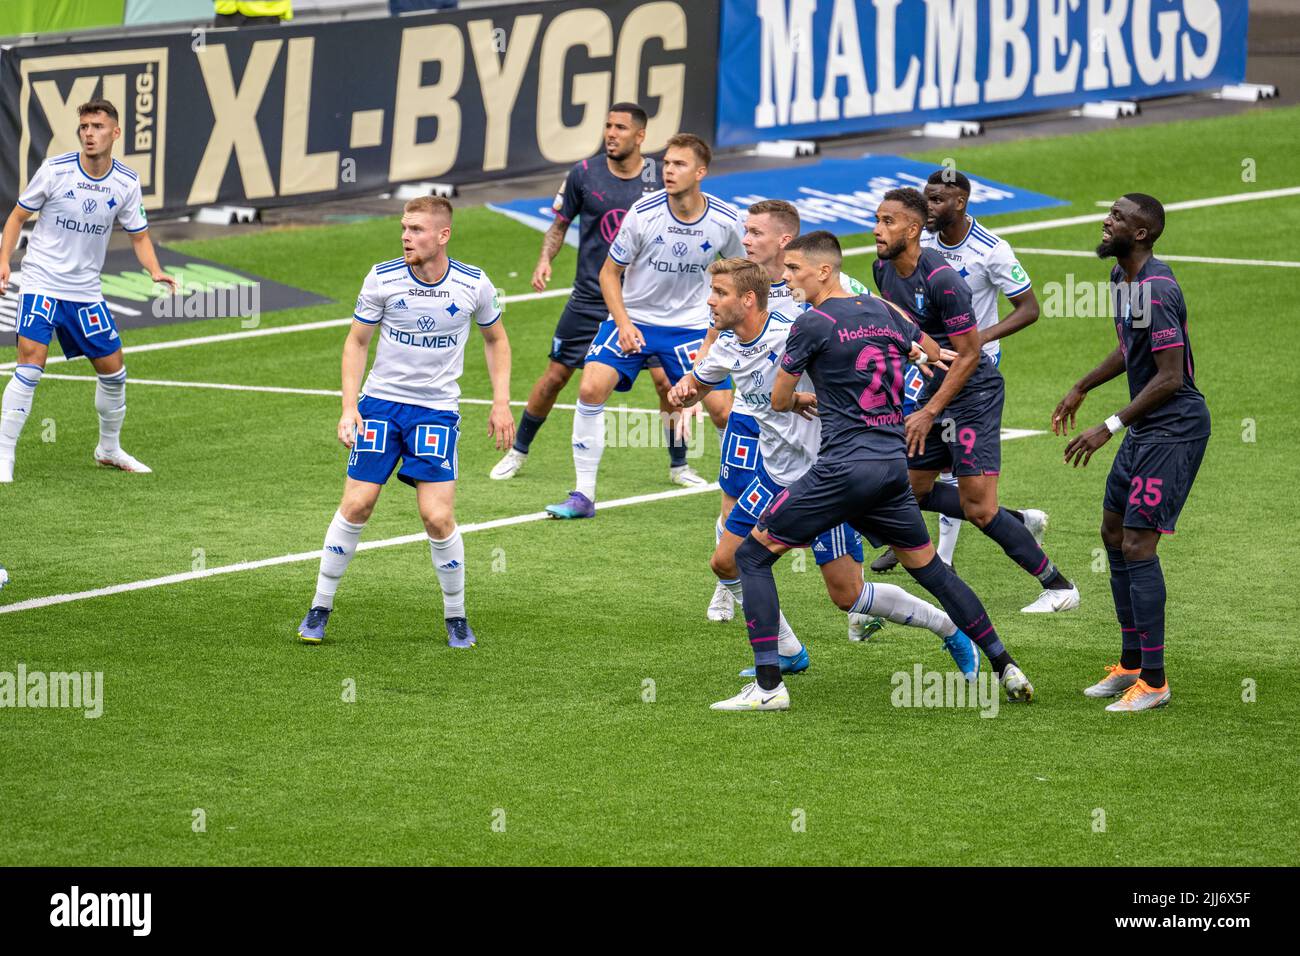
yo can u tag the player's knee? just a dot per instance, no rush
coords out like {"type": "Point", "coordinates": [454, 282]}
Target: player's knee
{"type": "Point", "coordinates": [1112, 538]}
{"type": "Point", "coordinates": [724, 565]}
{"type": "Point", "coordinates": [439, 523]}
{"type": "Point", "coordinates": [1137, 547]}
{"type": "Point", "coordinates": [753, 557]}
{"type": "Point", "coordinates": [356, 511]}
{"type": "Point", "coordinates": [591, 392]}
{"type": "Point", "coordinates": [980, 513]}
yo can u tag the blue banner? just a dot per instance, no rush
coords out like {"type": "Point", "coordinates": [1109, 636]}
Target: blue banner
{"type": "Point", "coordinates": [836, 194]}
{"type": "Point", "coordinates": [813, 68]}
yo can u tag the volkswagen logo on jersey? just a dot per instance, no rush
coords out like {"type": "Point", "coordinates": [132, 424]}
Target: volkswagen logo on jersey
{"type": "Point", "coordinates": [757, 378]}
{"type": "Point", "coordinates": [372, 435]}
{"type": "Point", "coordinates": [425, 323]}
{"type": "Point", "coordinates": [89, 206]}
{"type": "Point", "coordinates": [679, 249]}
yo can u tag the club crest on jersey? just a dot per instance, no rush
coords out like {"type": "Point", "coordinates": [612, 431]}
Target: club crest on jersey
{"type": "Point", "coordinates": [425, 323]}
{"type": "Point", "coordinates": [372, 435]}
{"type": "Point", "coordinates": [94, 319]}
{"type": "Point", "coordinates": [755, 498]}
{"type": "Point", "coordinates": [432, 440]}
{"type": "Point", "coordinates": [920, 301]}
{"type": "Point", "coordinates": [741, 451]}
{"type": "Point", "coordinates": [687, 351]}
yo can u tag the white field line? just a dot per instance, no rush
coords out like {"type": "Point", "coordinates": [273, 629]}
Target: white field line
{"type": "Point", "coordinates": [285, 390]}
{"type": "Point", "coordinates": [1209, 260]}
{"type": "Point", "coordinates": [280, 329]}
{"type": "Point", "coordinates": [1097, 218]}
{"type": "Point", "coordinates": [554, 293]}
{"type": "Point", "coordinates": [314, 555]}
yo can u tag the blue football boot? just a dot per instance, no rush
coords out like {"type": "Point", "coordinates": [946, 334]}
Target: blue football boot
{"type": "Point", "coordinates": [312, 628]}
{"type": "Point", "coordinates": [459, 633]}
{"type": "Point", "coordinates": [575, 506]}
{"type": "Point", "coordinates": [789, 665]}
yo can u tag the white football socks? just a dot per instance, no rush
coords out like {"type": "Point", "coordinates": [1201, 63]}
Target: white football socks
{"type": "Point", "coordinates": [340, 544]}
{"type": "Point", "coordinates": [449, 561]}
{"type": "Point", "coordinates": [588, 445]}
{"type": "Point", "coordinates": [948, 527]}
{"type": "Point", "coordinates": [17, 404]}
{"type": "Point", "coordinates": [787, 643]}
{"type": "Point", "coordinates": [110, 403]}
{"type": "Point", "coordinates": [894, 604]}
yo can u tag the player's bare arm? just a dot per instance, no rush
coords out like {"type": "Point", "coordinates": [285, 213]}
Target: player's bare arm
{"type": "Point", "coordinates": [786, 399]}
{"type": "Point", "coordinates": [142, 245]}
{"type": "Point", "coordinates": [687, 392]}
{"type": "Point", "coordinates": [1063, 418]}
{"type": "Point", "coordinates": [1167, 380]}
{"type": "Point", "coordinates": [9, 242]}
{"type": "Point", "coordinates": [501, 421]}
{"type": "Point", "coordinates": [552, 242]}
{"type": "Point", "coordinates": [963, 366]}
{"type": "Point", "coordinates": [1024, 314]}
{"type": "Point", "coordinates": [356, 347]}
{"type": "Point", "coordinates": [630, 340]}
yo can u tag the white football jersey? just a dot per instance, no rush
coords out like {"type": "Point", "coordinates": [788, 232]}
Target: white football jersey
{"type": "Point", "coordinates": [66, 251]}
{"type": "Point", "coordinates": [989, 266]}
{"type": "Point", "coordinates": [667, 261]}
{"type": "Point", "coordinates": [423, 328]}
{"type": "Point", "coordinates": [787, 442]}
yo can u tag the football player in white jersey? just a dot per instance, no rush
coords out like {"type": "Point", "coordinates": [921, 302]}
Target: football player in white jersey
{"type": "Point", "coordinates": [79, 196]}
{"type": "Point", "coordinates": [989, 265]}
{"type": "Point", "coordinates": [655, 283]}
{"type": "Point", "coordinates": [769, 225]}
{"type": "Point", "coordinates": [748, 348]}
{"type": "Point", "coordinates": [424, 304]}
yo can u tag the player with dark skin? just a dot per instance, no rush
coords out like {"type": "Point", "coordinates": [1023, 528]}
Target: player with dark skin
{"type": "Point", "coordinates": [1124, 235]}
{"type": "Point", "coordinates": [947, 205]}
{"type": "Point", "coordinates": [898, 238]}
{"type": "Point", "coordinates": [623, 139]}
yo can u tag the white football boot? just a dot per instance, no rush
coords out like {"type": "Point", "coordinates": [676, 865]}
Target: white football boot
{"type": "Point", "coordinates": [753, 697]}
{"type": "Point", "coordinates": [1016, 684]}
{"type": "Point", "coordinates": [723, 605]}
{"type": "Point", "coordinates": [686, 476]}
{"type": "Point", "coordinates": [509, 466]}
{"type": "Point", "coordinates": [120, 459]}
{"type": "Point", "coordinates": [1053, 600]}
{"type": "Point", "coordinates": [862, 626]}
{"type": "Point", "coordinates": [1036, 522]}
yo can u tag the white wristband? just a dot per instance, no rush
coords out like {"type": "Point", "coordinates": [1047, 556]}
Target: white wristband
{"type": "Point", "coordinates": [1114, 424]}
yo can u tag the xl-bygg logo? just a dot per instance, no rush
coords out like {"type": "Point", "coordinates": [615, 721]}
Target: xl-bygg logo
{"type": "Point", "coordinates": [135, 81]}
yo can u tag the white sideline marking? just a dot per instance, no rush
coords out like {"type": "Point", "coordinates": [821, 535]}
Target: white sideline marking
{"type": "Point", "coordinates": [1210, 260]}
{"type": "Point", "coordinates": [279, 330]}
{"type": "Point", "coordinates": [1094, 217]}
{"type": "Point", "coordinates": [285, 390]}
{"type": "Point", "coordinates": [555, 293]}
{"type": "Point", "coordinates": [33, 603]}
